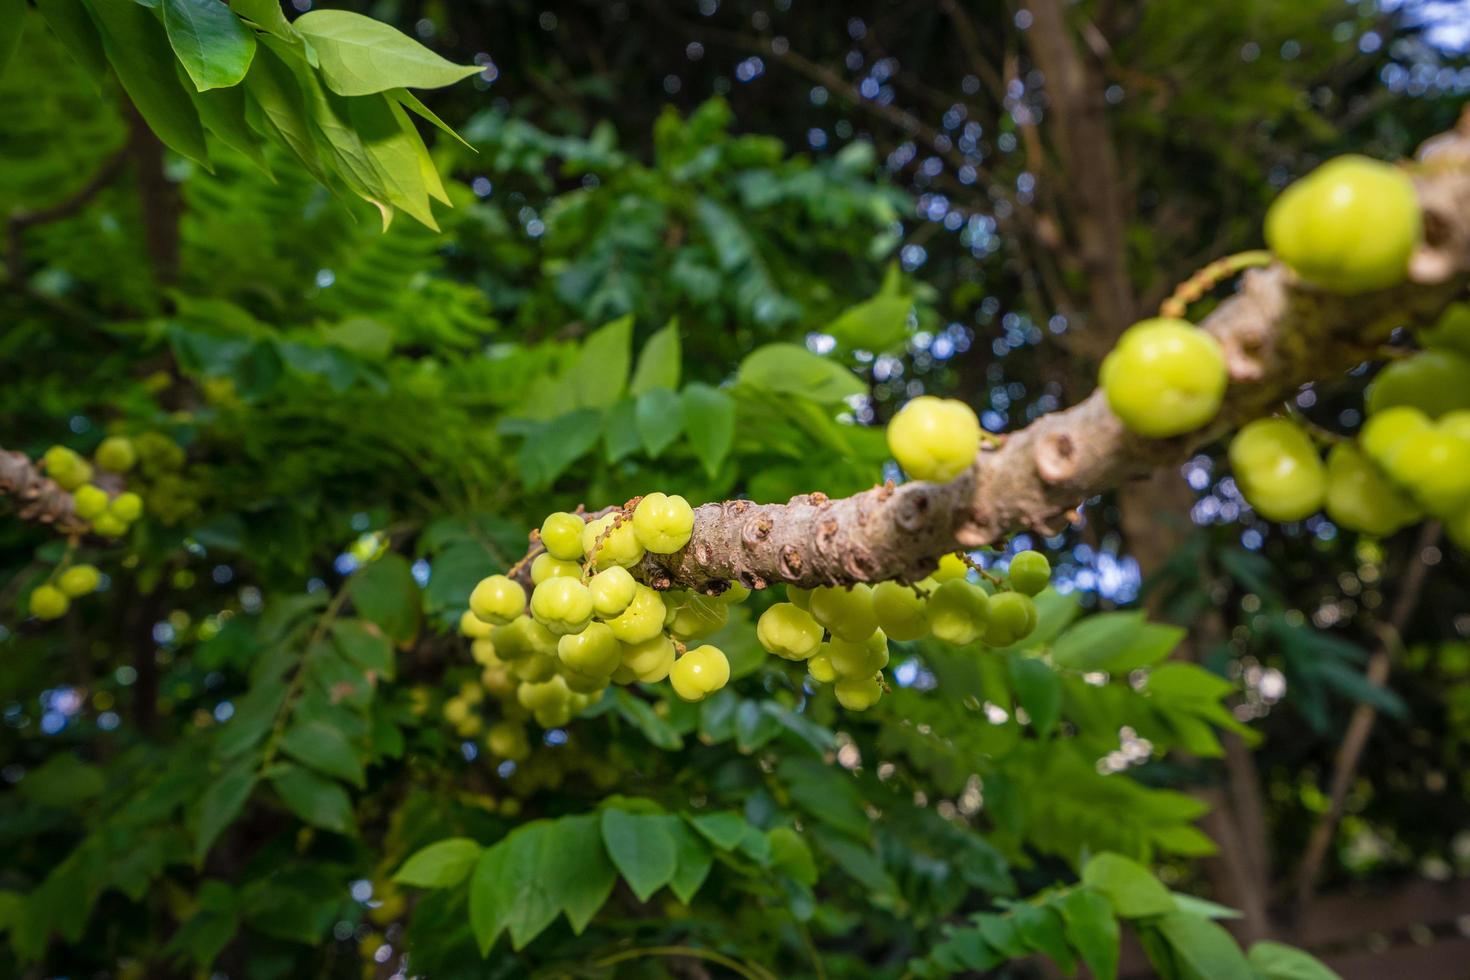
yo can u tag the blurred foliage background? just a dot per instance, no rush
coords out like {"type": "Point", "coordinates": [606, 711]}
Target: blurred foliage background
{"type": "Point", "coordinates": [704, 247]}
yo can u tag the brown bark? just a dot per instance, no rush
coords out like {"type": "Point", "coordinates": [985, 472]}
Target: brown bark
{"type": "Point", "coordinates": [40, 498]}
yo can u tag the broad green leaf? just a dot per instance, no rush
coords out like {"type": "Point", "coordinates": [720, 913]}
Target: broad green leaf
{"type": "Point", "coordinates": [63, 781]}
{"type": "Point", "coordinates": [212, 45]}
{"type": "Point", "coordinates": [709, 421]}
{"type": "Point", "coordinates": [267, 15]}
{"type": "Point", "coordinates": [1041, 928]}
{"type": "Point", "coordinates": [878, 324]}
{"type": "Point", "coordinates": [1278, 961]}
{"type": "Point", "coordinates": [1092, 930]}
{"type": "Point", "coordinates": [487, 910]}
{"type": "Point", "coordinates": [140, 54]}
{"type": "Point", "coordinates": [1131, 888]}
{"type": "Point", "coordinates": [281, 107]}
{"type": "Point", "coordinates": [1039, 690]}
{"type": "Point", "coordinates": [1194, 905]}
{"type": "Point", "coordinates": [223, 113]}
{"type": "Point", "coordinates": [724, 830]}
{"type": "Point", "coordinates": [693, 859]}
{"type": "Point", "coordinates": [1187, 683]}
{"type": "Point", "coordinates": [658, 362]}
{"type": "Point", "coordinates": [1094, 641]}
{"type": "Point", "coordinates": [254, 715]}
{"type": "Point", "coordinates": [69, 20]}
{"type": "Point", "coordinates": [599, 375]}
{"type": "Point", "coordinates": [315, 799]}
{"type": "Point", "coordinates": [386, 593]}
{"type": "Point", "coordinates": [641, 714]}
{"type": "Point", "coordinates": [337, 679]}
{"type": "Point", "coordinates": [827, 793]}
{"type": "Point", "coordinates": [1152, 643]}
{"type": "Point", "coordinates": [790, 369]}
{"type": "Point", "coordinates": [443, 864]}
{"type": "Point", "coordinates": [1207, 948]}
{"type": "Point", "coordinates": [12, 26]}
{"type": "Point", "coordinates": [1001, 934]}
{"type": "Point", "coordinates": [411, 102]}
{"type": "Point", "coordinates": [325, 749]}
{"type": "Point", "coordinates": [577, 871]}
{"type": "Point", "coordinates": [642, 848]}
{"type": "Point", "coordinates": [791, 854]}
{"type": "Point", "coordinates": [396, 153]}
{"type": "Point", "coordinates": [660, 417]}
{"type": "Point", "coordinates": [362, 56]}
{"type": "Point", "coordinates": [364, 644]}
{"type": "Point", "coordinates": [552, 447]}
{"type": "Point", "coordinates": [620, 431]}
{"type": "Point", "coordinates": [753, 726]}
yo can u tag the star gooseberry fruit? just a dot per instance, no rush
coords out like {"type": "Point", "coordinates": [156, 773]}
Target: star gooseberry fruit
{"type": "Point", "coordinates": [847, 612]}
{"type": "Point", "coordinates": [49, 602]}
{"type": "Point", "coordinates": [1165, 377]}
{"type": "Point", "coordinates": [561, 533]}
{"type": "Point", "coordinates": [1385, 432]}
{"type": "Point", "coordinates": [1435, 467]}
{"type": "Point", "coordinates": [1012, 618]}
{"type": "Point", "coordinates": [934, 438]}
{"type": "Point", "coordinates": [562, 605]}
{"type": "Point", "coordinates": [79, 580]}
{"type": "Point", "coordinates": [1278, 470]}
{"type": "Point", "coordinates": [958, 612]}
{"type": "Point", "coordinates": [620, 544]}
{"type": "Point", "coordinates": [858, 693]}
{"type": "Point", "coordinates": [498, 600]}
{"type": "Point", "coordinates": [699, 673]}
{"type": "Point", "coordinates": [663, 523]}
{"type": "Point", "coordinates": [1361, 498]}
{"type": "Point", "coordinates": [902, 612]}
{"type": "Point", "coordinates": [1030, 572]}
{"type": "Point", "coordinates": [788, 631]}
{"type": "Point", "coordinates": [1433, 381]}
{"type": "Point", "coordinates": [1348, 226]}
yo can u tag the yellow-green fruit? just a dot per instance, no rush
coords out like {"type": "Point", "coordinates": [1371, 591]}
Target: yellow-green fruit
{"type": "Point", "coordinates": [67, 468]}
{"type": "Point", "coordinates": [497, 679]}
{"type": "Point", "coordinates": [579, 683]}
{"type": "Point", "coordinates": [543, 567]}
{"type": "Point", "coordinates": [1164, 378]}
{"type": "Point", "coordinates": [819, 668]}
{"type": "Point", "coordinates": [1030, 572]}
{"type": "Point", "coordinates": [901, 612]}
{"type": "Point", "coordinates": [1386, 431]}
{"type": "Point", "coordinates": [1348, 226]}
{"type": "Point", "coordinates": [734, 595]}
{"type": "Point", "coordinates": [482, 651]}
{"type": "Point", "coordinates": [1434, 466]}
{"type": "Point", "coordinates": [958, 612]}
{"type": "Point", "coordinates": [663, 523]}
{"type": "Point", "coordinates": [1361, 498]}
{"type": "Point", "coordinates": [846, 612]}
{"type": "Point", "coordinates": [620, 544]}
{"type": "Point", "coordinates": [456, 711]}
{"type": "Point", "coordinates": [116, 454]}
{"type": "Point", "coordinates": [508, 740]}
{"type": "Point", "coordinates": [1452, 332]}
{"type": "Point", "coordinates": [126, 507]}
{"type": "Point", "coordinates": [934, 438]}
{"type": "Point", "coordinates": [498, 599]}
{"type": "Point", "coordinates": [79, 580]}
{"type": "Point", "coordinates": [473, 626]}
{"type": "Point", "coordinates": [699, 673]}
{"type": "Point", "coordinates": [857, 659]}
{"type": "Point", "coordinates": [1434, 381]}
{"type": "Point", "coordinates": [562, 605]}
{"type": "Point", "coordinates": [698, 616]}
{"type": "Point", "coordinates": [49, 602]}
{"type": "Point", "coordinates": [858, 693]}
{"type": "Point", "coordinates": [951, 566]}
{"type": "Point", "coordinates": [1455, 424]}
{"type": "Point", "coordinates": [649, 661]}
{"type": "Point", "coordinates": [522, 637]}
{"type": "Point", "coordinates": [1012, 618]}
{"type": "Point", "coordinates": [800, 598]}
{"type": "Point", "coordinates": [594, 652]}
{"type": "Point", "coordinates": [1278, 470]}
{"type": "Point", "coordinates": [535, 668]}
{"type": "Point", "coordinates": [788, 631]}
{"type": "Point", "coordinates": [540, 695]}
{"type": "Point", "coordinates": [561, 533]}
{"type": "Point", "coordinates": [109, 526]}
{"type": "Point", "coordinates": [642, 620]}
{"type": "Point", "coordinates": [612, 589]}
{"type": "Point", "coordinates": [89, 501]}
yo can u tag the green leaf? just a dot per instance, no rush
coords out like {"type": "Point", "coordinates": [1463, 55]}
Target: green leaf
{"type": "Point", "coordinates": [640, 714]}
{"type": "Point", "coordinates": [599, 375]}
{"type": "Point", "coordinates": [1039, 690]}
{"type": "Point", "coordinates": [1092, 930]}
{"type": "Point", "coordinates": [13, 19]}
{"type": "Point", "coordinates": [267, 15]}
{"type": "Point", "coordinates": [577, 871]}
{"type": "Point", "coordinates": [542, 868]}
{"type": "Point", "coordinates": [212, 45]}
{"type": "Point", "coordinates": [362, 56]}
{"type": "Point", "coordinates": [878, 324]}
{"type": "Point", "coordinates": [223, 800]}
{"type": "Point", "coordinates": [709, 421]}
{"type": "Point", "coordinates": [1278, 961]}
{"type": "Point", "coordinates": [144, 62]}
{"type": "Point", "coordinates": [827, 793]}
{"type": "Point", "coordinates": [397, 155]}
{"type": "Point", "coordinates": [1041, 928]}
{"type": "Point", "coordinates": [274, 91]}
{"type": "Point", "coordinates": [790, 853]}
{"type": "Point", "coordinates": [1177, 682]}
{"type": "Point", "coordinates": [620, 431]}
{"type": "Point", "coordinates": [642, 848]}
{"type": "Point", "coordinates": [1194, 905]}
{"type": "Point", "coordinates": [318, 801]}
{"type": "Point", "coordinates": [724, 830]}
{"type": "Point", "coordinates": [222, 111]}
{"type": "Point", "coordinates": [411, 102]}
{"type": "Point", "coordinates": [1207, 948]}
{"type": "Point", "coordinates": [364, 644]}
{"type": "Point", "coordinates": [325, 749]}
{"type": "Point", "coordinates": [63, 781]}
{"type": "Point", "coordinates": [338, 680]}
{"type": "Point", "coordinates": [487, 911]}
{"type": "Point", "coordinates": [254, 715]}
{"type": "Point", "coordinates": [660, 417]}
{"type": "Point", "coordinates": [693, 859]}
{"type": "Point", "coordinates": [386, 593]}
{"type": "Point", "coordinates": [790, 369]}
{"type": "Point", "coordinates": [1096, 640]}
{"type": "Point", "coordinates": [658, 362]}
{"type": "Point", "coordinates": [554, 446]}
{"type": "Point", "coordinates": [1133, 891]}
{"type": "Point", "coordinates": [69, 20]}
{"type": "Point", "coordinates": [443, 864]}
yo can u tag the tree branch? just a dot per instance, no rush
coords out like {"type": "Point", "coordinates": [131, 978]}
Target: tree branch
{"type": "Point", "coordinates": [41, 499]}
{"type": "Point", "coordinates": [1277, 333]}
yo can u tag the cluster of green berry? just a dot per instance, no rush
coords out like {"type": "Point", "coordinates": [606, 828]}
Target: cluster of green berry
{"type": "Point", "coordinates": [590, 621]}
{"type": "Point", "coordinates": [842, 633]}
{"type": "Point", "coordinates": [110, 515]}
{"type": "Point", "coordinates": [52, 598]}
